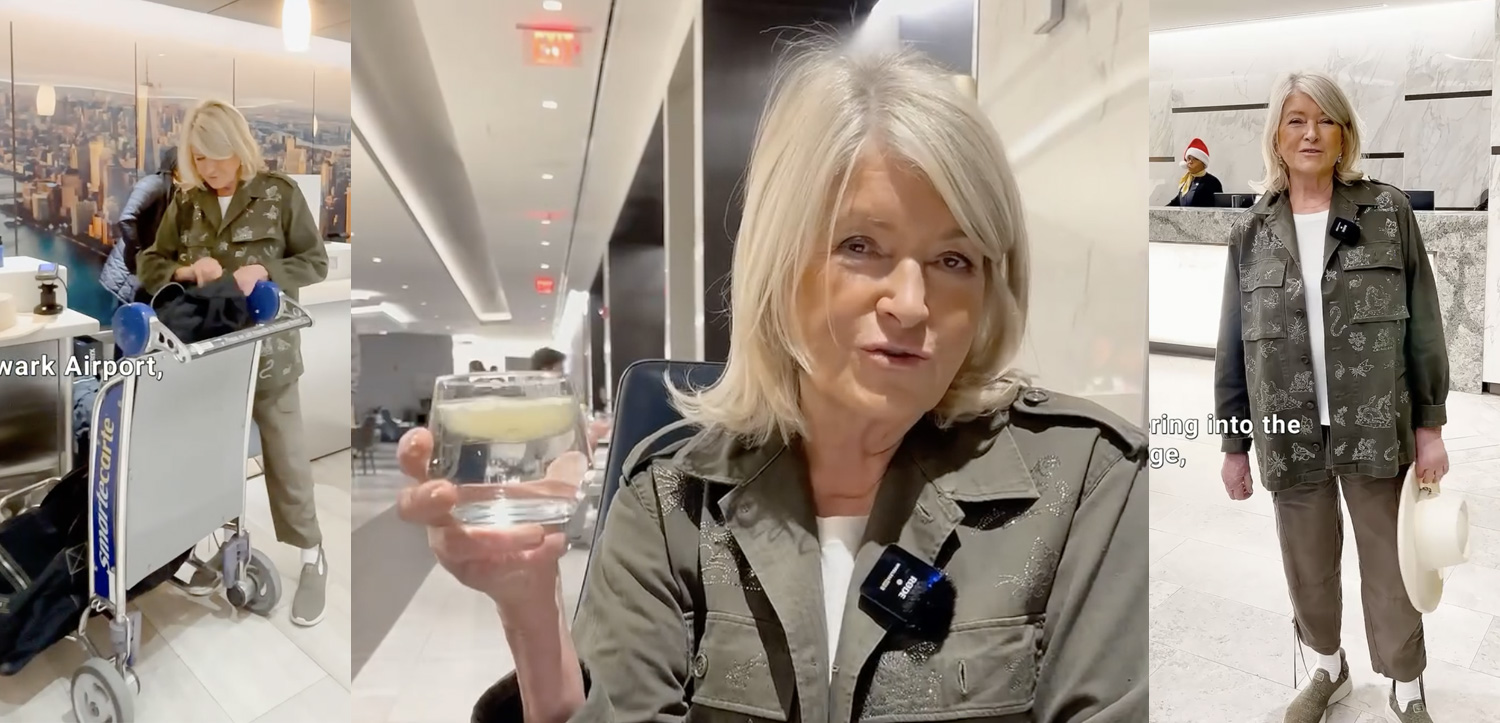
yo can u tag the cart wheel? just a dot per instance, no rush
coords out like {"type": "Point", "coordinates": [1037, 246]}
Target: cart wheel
{"type": "Point", "coordinates": [260, 587]}
{"type": "Point", "coordinates": [101, 695]}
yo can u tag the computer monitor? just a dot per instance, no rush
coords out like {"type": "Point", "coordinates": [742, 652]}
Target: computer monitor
{"type": "Point", "coordinates": [1421, 200]}
{"type": "Point", "coordinates": [1234, 200]}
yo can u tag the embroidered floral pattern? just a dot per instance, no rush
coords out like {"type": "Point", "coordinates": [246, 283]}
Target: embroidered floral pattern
{"type": "Point", "coordinates": [1033, 583]}
{"type": "Point", "coordinates": [1338, 417]}
{"type": "Point", "coordinates": [1265, 242]}
{"type": "Point", "coordinates": [1302, 383]}
{"type": "Point", "coordinates": [1339, 450]}
{"type": "Point", "coordinates": [1365, 451]}
{"type": "Point", "coordinates": [1273, 400]}
{"type": "Point", "coordinates": [1377, 302]}
{"type": "Point", "coordinates": [1274, 464]}
{"type": "Point", "coordinates": [1301, 453]}
{"type": "Point", "coordinates": [1383, 202]}
{"type": "Point", "coordinates": [1363, 370]}
{"type": "Point", "coordinates": [1294, 287]}
{"type": "Point", "coordinates": [1391, 229]}
{"type": "Point", "coordinates": [904, 683]}
{"type": "Point", "coordinates": [1383, 341]}
{"type": "Point", "coordinates": [1357, 340]}
{"type": "Point", "coordinates": [1297, 331]}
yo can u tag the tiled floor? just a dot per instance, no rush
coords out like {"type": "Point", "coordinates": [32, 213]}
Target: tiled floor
{"type": "Point", "coordinates": [446, 647]}
{"type": "Point", "coordinates": [202, 661]}
{"type": "Point", "coordinates": [1221, 631]}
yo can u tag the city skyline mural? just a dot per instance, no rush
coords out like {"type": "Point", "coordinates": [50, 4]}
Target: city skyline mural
{"type": "Point", "coordinates": [76, 136]}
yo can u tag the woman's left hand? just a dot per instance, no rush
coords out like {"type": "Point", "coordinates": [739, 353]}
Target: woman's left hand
{"type": "Point", "coordinates": [246, 276]}
{"type": "Point", "coordinates": [1432, 457]}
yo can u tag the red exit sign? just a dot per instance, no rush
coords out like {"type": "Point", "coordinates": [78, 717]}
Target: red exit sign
{"type": "Point", "coordinates": [544, 285]}
{"type": "Point", "coordinates": [554, 47]}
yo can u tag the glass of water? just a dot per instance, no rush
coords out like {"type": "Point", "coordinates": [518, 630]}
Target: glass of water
{"type": "Point", "coordinates": [515, 444]}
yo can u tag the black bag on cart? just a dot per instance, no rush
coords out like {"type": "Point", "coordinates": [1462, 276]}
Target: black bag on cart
{"type": "Point", "coordinates": [44, 569]}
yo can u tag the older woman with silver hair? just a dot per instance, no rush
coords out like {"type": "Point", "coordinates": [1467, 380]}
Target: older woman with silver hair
{"type": "Point", "coordinates": [868, 427]}
{"type": "Point", "coordinates": [1331, 324]}
{"type": "Point", "coordinates": [233, 218]}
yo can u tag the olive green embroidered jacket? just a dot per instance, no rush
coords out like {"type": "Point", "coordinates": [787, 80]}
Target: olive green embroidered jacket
{"type": "Point", "coordinates": [704, 599]}
{"type": "Point", "coordinates": [1383, 339]}
{"type": "Point", "coordinates": [268, 223]}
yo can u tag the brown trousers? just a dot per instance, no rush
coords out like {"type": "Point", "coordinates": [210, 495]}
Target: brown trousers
{"type": "Point", "coordinates": [1310, 523]}
{"type": "Point", "coordinates": [277, 412]}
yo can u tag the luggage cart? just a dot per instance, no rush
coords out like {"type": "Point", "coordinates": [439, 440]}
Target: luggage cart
{"type": "Point", "coordinates": [167, 470]}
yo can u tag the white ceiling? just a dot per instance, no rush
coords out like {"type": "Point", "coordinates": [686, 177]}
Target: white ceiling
{"type": "Point", "coordinates": [1178, 14]}
{"type": "Point", "coordinates": [455, 141]}
{"type": "Point", "coordinates": [330, 17]}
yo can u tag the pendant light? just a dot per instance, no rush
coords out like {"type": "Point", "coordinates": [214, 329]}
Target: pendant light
{"type": "Point", "coordinates": [296, 25]}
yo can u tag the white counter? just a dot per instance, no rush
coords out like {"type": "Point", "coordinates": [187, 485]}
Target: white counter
{"type": "Point", "coordinates": [326, 383]}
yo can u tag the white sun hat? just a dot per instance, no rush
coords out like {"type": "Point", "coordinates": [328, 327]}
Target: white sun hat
{"type": "Point", "coordinates": [1432, 538]}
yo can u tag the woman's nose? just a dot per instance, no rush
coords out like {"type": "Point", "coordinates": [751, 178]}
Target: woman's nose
{"type": "Point", "coordinates": [906, 299]}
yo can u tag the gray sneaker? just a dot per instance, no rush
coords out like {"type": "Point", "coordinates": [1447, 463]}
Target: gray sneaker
{"type": "Point", "coordinates": [1416, 711]}
{"type": "Point", "coordinates": [1312, 704]}
{"type": "Point", "coordinates": [308, 603]}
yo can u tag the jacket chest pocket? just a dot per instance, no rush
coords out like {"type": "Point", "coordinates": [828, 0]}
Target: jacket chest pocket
{"type": "Point", "coordinates": [251, 242]}
{"type": "Point", "coordinates": [1375, 282]}
{"type": "Point", "coordinates": [983, 669]}
{"type": "Point", "coordinates": [1262, 303]}
{"type": "Point", "coordinates": [734, 672]}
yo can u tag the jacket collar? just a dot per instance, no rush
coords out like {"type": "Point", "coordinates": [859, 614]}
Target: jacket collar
{"type": "Point", "coordinates": [1276, 210]}
{"type": "Point", "coordinates": [208, 201]}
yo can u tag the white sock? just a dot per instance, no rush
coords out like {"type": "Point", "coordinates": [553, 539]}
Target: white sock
{"type": "Point", "coordinates": [1332, 664]}
{"type": "Point", "coordinates": [310, 556]}
{"type": "Point", "coordinates": [1408, 693]}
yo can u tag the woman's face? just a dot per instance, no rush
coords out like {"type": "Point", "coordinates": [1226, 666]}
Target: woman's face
{"type": "Point", "coordinates": [889, 315]}
{"type": "Point", "coordinates": [221, 175]}
{"type": "Point", "coordinates": [1308, 141]}
{"type": "Point", "coordinates": [1194, 165]}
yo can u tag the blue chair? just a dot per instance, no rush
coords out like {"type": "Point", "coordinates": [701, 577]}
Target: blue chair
{"type": "Point", "coordinates": [642, 408]}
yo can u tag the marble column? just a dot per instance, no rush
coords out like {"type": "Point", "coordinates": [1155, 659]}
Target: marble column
{"type": "Point", "coordinates": [1492, 266]}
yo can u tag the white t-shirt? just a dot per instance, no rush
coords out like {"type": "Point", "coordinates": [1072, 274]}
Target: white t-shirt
{"type": "Point", "coordinates": [224, 205]}
{"type": "Point", "coordinates": [839, 539]}
{"type": "Point", "coordinates": [1312, 229]}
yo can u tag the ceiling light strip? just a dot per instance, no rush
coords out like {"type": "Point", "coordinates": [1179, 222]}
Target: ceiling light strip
{"type": "Point", "coordinates": [421, 221]}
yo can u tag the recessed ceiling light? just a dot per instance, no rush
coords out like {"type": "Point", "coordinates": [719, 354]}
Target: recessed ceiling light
{"type": "Point", "coordinates": [549, 104]}
{"type": "Point", "coordinates": [546, 176]}
{"type": "Point", "coordinates": [546, 266]}
{"type": "Point", "coordinates": [546, 222]}
{"type": "Point", "coordinates": [376, 259]}
{"type": "Point", "coordinates": [552, 5]}
{"type": "Point", "coordinates": [424, 303]}
{"type": "Point", "coordinates": [546, 243]}
{"type": "Point", "coordinates": [405, 286]}
{"type": "Point", "coordinates": [383, 333]}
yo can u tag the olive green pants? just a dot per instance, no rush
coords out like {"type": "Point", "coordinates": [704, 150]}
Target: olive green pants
{"type": "Point", "coordinates": [277, 412]}
{"type": "Point", "coordinates": [1310, 523]}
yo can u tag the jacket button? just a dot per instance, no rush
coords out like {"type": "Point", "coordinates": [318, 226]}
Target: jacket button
{"type": "Point", "coordinates": [1297, 313]}
{"type": "Point", "coordinates": [1309, 405]}
{"type": "Point", "coordinates": [700, 665]}
{"type": "Point", "coordinates": [1305, 360]}
{"type": "Point", "coordinates": [1317, 447]}
{"type": "Point", "coordinates": [1035, 396]}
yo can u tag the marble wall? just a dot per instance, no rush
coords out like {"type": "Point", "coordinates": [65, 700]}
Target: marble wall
{"type": "Point", "coordinates": [1420, 78]}
{"type": "Point", "coordinates": [1492, 275]}
{"type": "Point", "coordinates": [1186, 279]}
{"type": "Point", "coordinates": [1087, 329]}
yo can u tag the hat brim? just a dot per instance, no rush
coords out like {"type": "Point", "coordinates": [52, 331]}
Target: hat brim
{"type": "Point", "coordinates": [1423, 586]}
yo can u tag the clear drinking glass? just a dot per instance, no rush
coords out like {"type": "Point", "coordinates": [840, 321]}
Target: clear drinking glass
{"type": "Point", "coordinates": [515, 444]}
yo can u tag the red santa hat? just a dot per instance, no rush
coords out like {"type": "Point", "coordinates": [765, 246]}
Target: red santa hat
{"type": "Point", "coordinates": [1197, 149]}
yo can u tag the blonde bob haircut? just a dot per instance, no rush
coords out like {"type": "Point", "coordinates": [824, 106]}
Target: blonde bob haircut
{"type": "Point", "coordinates": [216, 130]}
{"type": "Point", "coordinates": [1324, 91]}
{"type": "Point", "coordinates": [829, 104]}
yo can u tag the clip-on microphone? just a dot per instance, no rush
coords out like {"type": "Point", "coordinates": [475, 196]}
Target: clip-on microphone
{"type": "Point", "coordinates": [906, 595]}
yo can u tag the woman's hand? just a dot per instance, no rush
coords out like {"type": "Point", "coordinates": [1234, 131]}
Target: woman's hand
{"type": "Point", "coordinates": [1432, 456]}
{"type": "Point", "coordinates": [204, 271]}
{"type": "Point", "coordinates": [246, 276]}
{"type": "Point", "coordinates": [1236, 475]}
{"type": "Point", "coordinates": [517, 566]}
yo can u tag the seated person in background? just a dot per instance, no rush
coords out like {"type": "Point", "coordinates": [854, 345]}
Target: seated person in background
{"type": "Point", "coordinates": [548, 360]}
{"type": "Point", "coordinates": [868, 406]}
{"type": "Point", "coordinates": [1198, 186]}
{"type": "Point", "coordinates": [476, 366]}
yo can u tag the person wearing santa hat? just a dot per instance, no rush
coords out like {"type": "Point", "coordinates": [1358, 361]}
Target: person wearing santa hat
{"type": "Point", "coordinates": [1198, 185]}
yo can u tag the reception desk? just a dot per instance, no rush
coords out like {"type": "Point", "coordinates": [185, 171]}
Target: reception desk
{"type": "Point", "coordinates": [1189, 250]}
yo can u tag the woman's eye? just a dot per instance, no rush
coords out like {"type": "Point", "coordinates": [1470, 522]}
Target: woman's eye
{"type": "Point", "coordinates": [857, 245]}
{"type": "Point", "coordinates": [956, 262]}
